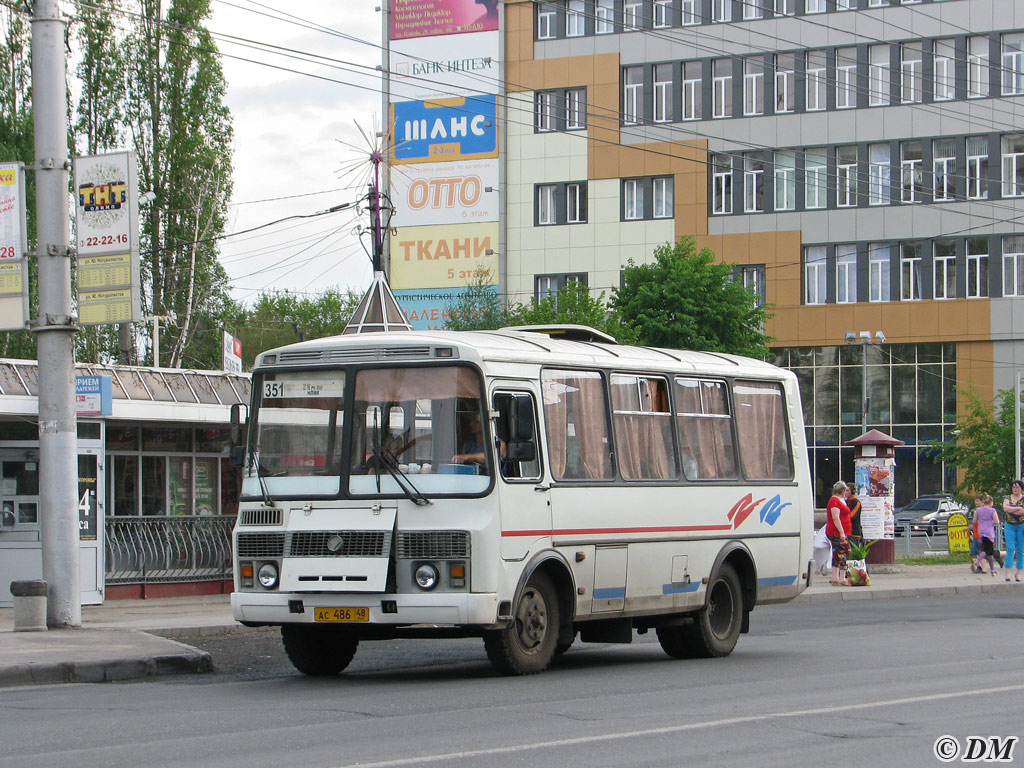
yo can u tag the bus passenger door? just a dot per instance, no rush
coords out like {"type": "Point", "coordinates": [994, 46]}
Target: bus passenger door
{"type": "Point", "coordinates": [525, 510]}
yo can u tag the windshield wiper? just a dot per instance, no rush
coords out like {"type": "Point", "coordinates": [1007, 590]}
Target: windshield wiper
{"type": "Point", "coordinates": [411, 491]}
{"type": "Point", "coordinates": [267, 499]}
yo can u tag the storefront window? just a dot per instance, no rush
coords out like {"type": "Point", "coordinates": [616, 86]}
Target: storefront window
{"type": "Point", "coordinates": [180, 487]}
{"type": "Point", "coordinates": [231, 483]}
{"type": "Point", "coordinates": [154, 485]}
{"type": "Point", "coordinates": [169, 439]}
{"type": "Point", "coordinates": [122, 438]}
{"type": "Point", "coordinates": [124, 485]}
{"type": "Point", "coordinates": [211, 440]}
{"type": "Point", "coordinates": [206, 486]}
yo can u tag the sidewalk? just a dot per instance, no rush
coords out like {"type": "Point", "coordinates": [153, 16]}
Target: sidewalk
{"type": "Point", "coordinates": [127, 639]}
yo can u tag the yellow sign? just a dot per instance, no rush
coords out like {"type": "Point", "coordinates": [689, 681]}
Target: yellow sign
{"type": "Point", "coordinates": [97, 272]}
{"type": "Point", "coordinates": [444, 256]}
{"type": "Point", "coordinates": [95, 307]}
{"type": "Point", "coordinates": [959, 533]}
{"type": "Point", "coordinates": [10, 278]}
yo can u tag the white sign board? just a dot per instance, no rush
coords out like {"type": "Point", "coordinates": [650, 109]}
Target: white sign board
{"type": "Point", "coordinates": [445, 193]}
{"type": "Point", "coordinates": [13, 267]}
{"type": "Point", "coordinates": [441, 67]}
{"type": "Point", "coordinates": [107, 238]}
{"type": "Point", "coordinates": [312, 385]}
{"type": "Point", "coordinates": [232, 357]}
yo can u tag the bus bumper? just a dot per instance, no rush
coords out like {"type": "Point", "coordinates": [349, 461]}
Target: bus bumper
{"type": "Point", "coordinates": [434, 608]}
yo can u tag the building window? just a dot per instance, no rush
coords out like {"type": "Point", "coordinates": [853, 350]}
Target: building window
{"type": "Point", "coordinates": [846, 78]}
{"type": "Point", "coordinates": [663, 197]}
{"type": "Point", "coordinates": [545, 102]}
{"type": "Point", "coordinates": [721, 10]}
{"type": "Point", "coordinates": [547, 210]}
{"type": "Point", "coordinates": [911, 173]}
{"type": "Point", "coordinates": [977, 167]}
{"type": "Point", "coordinates": [877, 3]}
{"type": "Point", "coordinates": [944, 168]}
{"type": "Point", "coordinates": [662, 93]}
{"type": "Point", "coordinates": [1013, 64]}
{"type": "Point", "coordinates": [815, 274]}
{"type": "Point", "coordinates": [977, 67]}
{"type": "Point", "coordinates": [752, 276]}
{"type": "Point", "coordinates": [1013, 265]}
{"type": "Point", "coordinates": [632, 200]}
{"type": "Point", "coordinates": [564, 203]}
{"type": "Point", "coordinates": [661, 13]}
{"type": "Point", "coordinates": [722, 87]}
{"type": "Point", "coordinates": [815, 82]}
{"type": "Point", "coordinates": [631, 10]}
{"type": "Point", "coordinates": [604, 14]}
{"type": "Point", "coordinates": [815, 178]}
{"type": "Point", "coordinates": [1013, 165]}
{"type": "Point", "coordinates": [574, 18]}
{"type": "Point", "coordinates": [878, 272]}
{"type": "Point", "coordinates": [784, 7]}
{"type": "Point", "coordinates": [575, 109]}
{"type": "Point", "coordinates": [977, 267]}
{"type": "Point", "coordinates": [945, 70]}
{"type": "Point", "coordinates": [546, 21]}
{"type": "Point", "coordinates": [753, 86]}
{"type": "Point", "coordinates": [691, 90]}
{"type": "Point", "coordinates": [752, 9]}
{"type": "Point", "coordinates": [846, 176]}
{"type": "Point", "coordinates": [814, 6]}
{"type": "Point", "coordinates": [878, 75]}
{"type": "Point", "coordinates": [879, 171]}
{"type": "Point", "coordinates": [753, 182]}
{"type": "Point", "coordinates": [846, 273]}
{"type": "Point", "coordinates": [785, 82]}
{"type": "Point", "coordinates": [910, 272]}
{"type": "Point", "coordinates": [690, 14]}
{"type": "Point", "coordinates": [785, 180]}
{"type": "Point", "coordinates": [575, 203]}
{"type": "Point", "coordinates": [721, 184]}
{"type": "Point", "coordinates": [845, 5]}
{"type": "Point", "coordinates": [910, 73]}
{"type": "Point", "coordinates": [549, 285]}
{"type": "Point", "coordinates": [632, 94]}
{"type": "Point", "coordinates": [945, 269]}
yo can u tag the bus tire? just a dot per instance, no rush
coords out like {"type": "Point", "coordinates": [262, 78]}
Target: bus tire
{"type": "Point", "coordinates": [527, 646]}
{"type": "Point", "coordinates": [715, 628]}
{"type": "Point", "coordinates": [318, 651]}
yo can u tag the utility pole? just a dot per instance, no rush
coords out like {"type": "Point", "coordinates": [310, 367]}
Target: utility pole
{"type": "Point", "coordinates": [55, 329]}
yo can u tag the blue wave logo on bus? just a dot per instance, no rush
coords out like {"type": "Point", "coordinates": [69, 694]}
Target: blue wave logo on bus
{"type": "Point", "coordinates": [445, 129]}
{"type": "Point", "coordinates": [746, 506]}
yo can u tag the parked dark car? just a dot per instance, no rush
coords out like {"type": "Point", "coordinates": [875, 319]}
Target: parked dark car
{"type": "Point", "coordinates": [927, 514]}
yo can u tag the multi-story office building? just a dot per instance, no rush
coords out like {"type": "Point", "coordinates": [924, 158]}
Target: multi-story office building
{"type": "Point", "coordinates": [861, 161]}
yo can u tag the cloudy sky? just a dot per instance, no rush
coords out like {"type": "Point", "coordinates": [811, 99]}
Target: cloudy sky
{"type": "Point", "coordinates": [298, 109]}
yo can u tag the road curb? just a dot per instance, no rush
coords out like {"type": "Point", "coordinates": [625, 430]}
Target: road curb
{"type": "Point", "coordinates": [845, 594]}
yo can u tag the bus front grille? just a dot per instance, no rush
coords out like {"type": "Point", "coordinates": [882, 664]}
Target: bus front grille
{"type": "Point", "coordinates": [433, 545]}
{"type": "Point", "coordinates": [252, 545]}
{"type": "Point", "coordinates": [339, 544]}
{"type": "Point", "coordinates": [260, 517]}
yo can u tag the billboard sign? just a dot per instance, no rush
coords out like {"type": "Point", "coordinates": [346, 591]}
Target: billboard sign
{"type": "Point", "coordinates": [13, 266]}
{"type": "Point", "coordinates": [93, 395]}
{"type": "Point", "coordinates": [445, 193]}
{"type": "Point", "coordinates": [460, 128]}
{"type": "Point", "coordinates": [232, 354]}
{"type": "Point", "coordinates": [444, 256]}
{"type": "Point", "coordinates": [429, 309]}
{"type": "Point", "coordinates": [425, 18]}
{"type": "Point", "coordinates": [460, 65]}
{"type": "Point", "coordinates": [107, 239]}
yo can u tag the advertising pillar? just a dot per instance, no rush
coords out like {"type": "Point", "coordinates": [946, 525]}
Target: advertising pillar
{"type": "Point", "coordinates": [875, 477]}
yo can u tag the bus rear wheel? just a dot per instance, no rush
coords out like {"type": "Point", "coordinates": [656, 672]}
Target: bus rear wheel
{"type": "Point", "coordinates": [715, 628]}
{"type": "Point", "coordinates": [317, 650]}
{"type": "Point", "coordinates": [527, 645]}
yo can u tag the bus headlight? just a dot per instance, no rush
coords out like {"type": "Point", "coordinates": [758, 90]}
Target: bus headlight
{"type": "Point", "coordinates": [426, 576]}
{"type": "Point", "coordinates": [267, 575]}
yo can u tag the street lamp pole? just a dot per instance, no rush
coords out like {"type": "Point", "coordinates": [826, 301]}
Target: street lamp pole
{"type": "Point", "coordinates": [864, 338]}
{"type": "Point", "coordinates": [1016, 424]}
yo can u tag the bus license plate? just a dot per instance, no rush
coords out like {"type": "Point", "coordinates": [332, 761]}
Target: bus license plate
{"type": "Point", "coordinates": [341, 614]}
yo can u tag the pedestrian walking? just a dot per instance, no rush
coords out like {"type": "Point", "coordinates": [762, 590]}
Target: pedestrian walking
{"type": "Point", "coordinates": [837, 530]}
{"type": "Point", "coordinates": [1013, 529]}
{"type": "Point", "coordinates": [976, 544]}
{"type": "Point", "coordinates": [987, 519]}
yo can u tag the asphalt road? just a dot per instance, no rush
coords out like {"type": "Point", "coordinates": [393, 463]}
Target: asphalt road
{"type": "Point", "coordinates": [853, 684]}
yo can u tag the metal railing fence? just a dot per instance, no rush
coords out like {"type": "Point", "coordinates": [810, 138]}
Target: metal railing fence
{"type": "Point", "coordinates": [167, 548]}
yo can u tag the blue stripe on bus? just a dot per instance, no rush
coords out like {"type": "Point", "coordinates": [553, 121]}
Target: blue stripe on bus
{"type": "Point", "coordinates": [776, 581]}
{"type": "Point", "coordinates": [672, 589]}
{"type": "Point", "coordinates": [609, 593]}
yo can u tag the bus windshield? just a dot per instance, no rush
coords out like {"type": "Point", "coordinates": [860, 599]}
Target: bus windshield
{"type": "Point", "coordinates": [418, 426]}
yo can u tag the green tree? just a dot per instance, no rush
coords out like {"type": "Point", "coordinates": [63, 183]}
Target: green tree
{"type": "Point", "coordinates": [981, 446]}
{"type": "Point", "coordinates": [280, 318]}
{"type": "Point", "coordinates": [478, 308]}
{"type": "Point", "coordinates": [685, 299]}
{"type": "Point", "coordinates": [574, 304]}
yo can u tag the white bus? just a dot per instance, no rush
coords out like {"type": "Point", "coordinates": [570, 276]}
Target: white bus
{"type": "Point", "coordinates": [520, 487]}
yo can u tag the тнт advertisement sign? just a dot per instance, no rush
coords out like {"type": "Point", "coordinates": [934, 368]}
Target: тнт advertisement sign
{"type": "Point", "coordinates": [424, 18]}
{"type": "Point", "coordinates": [13, 268]}
{"type": "Point", "coordinates": [460, 65]}
{"type": "Point", "coordinates": [445, 193]}
{"type": "Point", "coordinates": [461, 128]}
{"type": "Point", "coordinates": [444, 256]}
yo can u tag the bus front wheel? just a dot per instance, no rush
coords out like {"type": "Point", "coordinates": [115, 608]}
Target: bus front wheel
{"type": "Point", "coordinates": [317, 650]}
{"type": "Point", "coordinates": [714, 629]}
{"type": "Point", "coordinates": [527, 645]}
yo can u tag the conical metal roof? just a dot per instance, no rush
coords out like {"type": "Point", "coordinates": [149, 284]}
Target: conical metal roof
{"type": "Point", "coordinates": [378, 311]}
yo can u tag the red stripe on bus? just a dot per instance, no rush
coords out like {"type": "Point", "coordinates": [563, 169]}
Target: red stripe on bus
{"type": "Point", "coordinates": [658, 529]}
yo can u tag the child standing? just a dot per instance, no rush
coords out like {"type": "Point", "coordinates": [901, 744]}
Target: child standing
{"type": "Point", "coordinates": [987, 520]}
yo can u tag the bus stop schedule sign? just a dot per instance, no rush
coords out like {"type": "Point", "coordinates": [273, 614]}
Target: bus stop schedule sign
{"type": "Point", "coordinates": [13, 269]}
{"type": "Point", "coordinates": [93, 395]}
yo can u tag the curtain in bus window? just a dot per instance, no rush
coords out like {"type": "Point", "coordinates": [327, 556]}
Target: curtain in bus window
{"type": "Point", "coordinates": [393, 385]}
{"type": "Point", "coordinates": [761, 425]}
{"type": "Point", "coordinates": [705, 429]}
{"type": "Point", "coordinates": [574, 416]}
{"type": "Point", "coordinates": [643, 429]}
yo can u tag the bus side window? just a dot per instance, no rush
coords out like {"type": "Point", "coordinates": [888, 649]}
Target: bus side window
{"type": "Point", "coordinates": [516, 436]}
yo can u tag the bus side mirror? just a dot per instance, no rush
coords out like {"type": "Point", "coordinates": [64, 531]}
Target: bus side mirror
{"type": "Point", "coordinates": [521, 450]}
{"type": "Point", "coordinates": [236, 451]}
{"type": "Point", "coordinates": [521, 421]}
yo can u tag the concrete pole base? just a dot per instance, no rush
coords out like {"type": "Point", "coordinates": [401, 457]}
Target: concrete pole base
{"type": "Point", "coordinates": [29, 605]}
